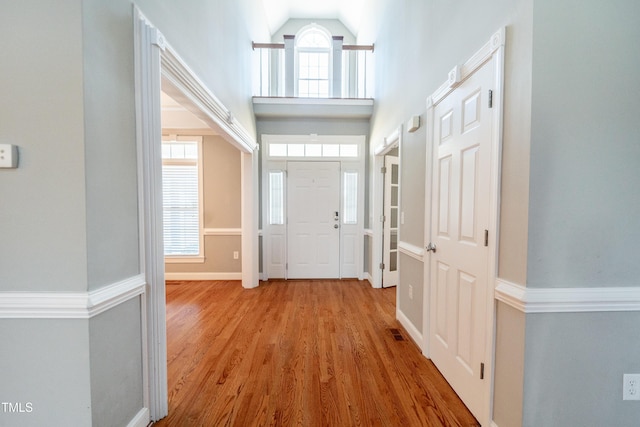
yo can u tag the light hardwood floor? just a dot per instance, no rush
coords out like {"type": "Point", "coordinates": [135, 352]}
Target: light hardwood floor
{"type": "Point", "coordinates": [304, 353]}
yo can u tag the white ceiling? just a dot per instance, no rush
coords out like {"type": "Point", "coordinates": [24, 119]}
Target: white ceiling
{"type": "Point", "coordinates": [349, 12]}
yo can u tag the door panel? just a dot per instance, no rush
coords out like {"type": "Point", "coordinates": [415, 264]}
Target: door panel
{"type": "Point", "coordinates": [460, 214]}
{"type": "Point", "coordinates": [313, 238]}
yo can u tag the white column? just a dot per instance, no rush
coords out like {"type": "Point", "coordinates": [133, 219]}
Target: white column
{"type": "Point", "coordinates": [289, 67]}
{"type": "Point", "coordinates": [249, 220]}
{"type": "Point", "coordinates": [336, 91]}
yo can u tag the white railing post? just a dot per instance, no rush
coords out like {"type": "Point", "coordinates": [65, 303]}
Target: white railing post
{"type": "Point", "coordinates": [336, 91]}
{"type": "Point", "coordinates": [289, 67]}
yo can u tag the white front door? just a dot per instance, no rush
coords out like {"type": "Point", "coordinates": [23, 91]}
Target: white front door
{"type": "Point", "coordinates": [391, 221]}
{"type": "Point", "coordinates": [462, 126]}
{"type": "Point", "coordinates": [313, 220]}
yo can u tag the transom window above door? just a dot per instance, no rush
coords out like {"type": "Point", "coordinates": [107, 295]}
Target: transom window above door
{"type": "Point", "coordinates": [312, 150]}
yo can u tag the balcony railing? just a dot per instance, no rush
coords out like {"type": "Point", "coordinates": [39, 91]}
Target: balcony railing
{"type": "Point", "coordinates": [276, 70]}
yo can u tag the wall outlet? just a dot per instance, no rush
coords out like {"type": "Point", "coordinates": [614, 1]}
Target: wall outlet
{"type": "Point", "coordinates": [410, 291]}
{"type": "Point", "coordinates": [236, 255]}
{"type": "Point", "coordinates": [631, 387]}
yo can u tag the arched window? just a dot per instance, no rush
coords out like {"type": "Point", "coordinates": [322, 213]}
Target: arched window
{"type": "Point", "coordinates": [313, 46]}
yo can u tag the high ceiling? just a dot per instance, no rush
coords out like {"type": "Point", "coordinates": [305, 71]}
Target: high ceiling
{"type": "Point", "coordinates": [349, 12]}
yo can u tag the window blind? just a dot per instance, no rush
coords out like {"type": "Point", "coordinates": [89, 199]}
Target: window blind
{"type": "Point", "coordinates": [181, 208]}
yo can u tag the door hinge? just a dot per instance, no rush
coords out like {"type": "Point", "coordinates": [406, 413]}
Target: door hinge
{"type": "Point", "coordinates": [482, 371]}
{"type": "Point", "coordinates": [486, 237]}
{"type": "Point", "coordinates": [383, 169]}
{"type": "Point", "coordinates": [382, 218]}
{"type": "Point", "coordinates": [381, 266]}
{"type": "Point", "coordinates": [490, 98]}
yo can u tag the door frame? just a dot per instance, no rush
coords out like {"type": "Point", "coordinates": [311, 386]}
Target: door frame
{"type": "Point", "coordinates": [493, 49]}
{"type": "Point", "coordinates": [157, 65]}
{"type": "Point", "coordinates": [390, 142]}
{"type": "Point", "coordinates": [347, 164]}
{"type": "Point", "coordinates": [386, 225]}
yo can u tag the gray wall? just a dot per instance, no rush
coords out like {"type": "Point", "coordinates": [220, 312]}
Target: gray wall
{"type": "Point", "coordinates": [574, 367]}
{"type": "Point", "coordinates": [584, 205]}
{"type": "Point", "coordinates": [116, 371]}
{"type": "Point", "coordinates": [45, 362]}
{"type": "Point", "coordinates": [69, 213]}
{"type": "Point", "coordinates": [109, 142]}
{"type": "Point", "coordinates": [584, 209]}
{"type": "Point", "coordinates": [43, 217]}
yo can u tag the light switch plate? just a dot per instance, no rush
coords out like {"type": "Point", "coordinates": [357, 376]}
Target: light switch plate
{"type": "Point", "coordinates": [8, 156]}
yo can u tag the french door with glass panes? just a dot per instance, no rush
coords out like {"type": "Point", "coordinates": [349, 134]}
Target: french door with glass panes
{"type": "Point", "coordinates": [391, 220]}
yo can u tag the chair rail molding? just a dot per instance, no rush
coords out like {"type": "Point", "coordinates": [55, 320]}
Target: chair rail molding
{"type": "Point", "coordinates": [413, 251]}
{"type": "Point", "coordinates": [69, 305]}
{"type": "Point", "coordinates": [567, 300]}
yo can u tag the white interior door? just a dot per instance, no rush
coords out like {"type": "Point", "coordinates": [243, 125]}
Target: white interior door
{"type": "Point", "coordinates": [462, 126]}
{"type": "Point", "coordinates": [313, 220]}
{"type": "Point", "coordinates": [391, 220]}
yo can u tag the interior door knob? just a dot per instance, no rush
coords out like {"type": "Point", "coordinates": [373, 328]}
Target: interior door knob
{"type": "Point", "coordinates": [335, 226]}
{"type": "Point", "coordinates": [431, 248]}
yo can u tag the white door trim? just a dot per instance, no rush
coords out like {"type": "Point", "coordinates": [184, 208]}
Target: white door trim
{"type": "Point", "coordinates": [347, 164]}
{"type": "Point", "coordinates": [158, 65]}
{"type": "Point", "coordinates": [390, 142]}
{"type": "Point", "coordinates": [493, 48]}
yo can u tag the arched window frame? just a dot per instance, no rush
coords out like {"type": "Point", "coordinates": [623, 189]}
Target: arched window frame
{"type": "Point", "coordinates": [313, 28]}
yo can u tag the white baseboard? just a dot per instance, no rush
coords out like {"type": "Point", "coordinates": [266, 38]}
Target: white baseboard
{"type": "Point", "coordinates": [567, 300]}
{"type": "Point", "coordinates": [493, 424]}
{"type": "Point", "coordinates": [366, 276]}
{"type": "Point", "coordinates": [141, 419]}
{"type": "Point", "coordinates": [415, 334]}
{"type": "Point", "coordinates": [70, 305]}
{"type": "Point", "coordinates": [203, 276]}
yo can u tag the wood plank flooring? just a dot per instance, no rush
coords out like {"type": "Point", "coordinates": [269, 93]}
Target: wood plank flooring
{"type": "Point", "coordinates": [304, 353]}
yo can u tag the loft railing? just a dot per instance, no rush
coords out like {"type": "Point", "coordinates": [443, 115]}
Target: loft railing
{"type": "Point", "coordinates": [276, 70]}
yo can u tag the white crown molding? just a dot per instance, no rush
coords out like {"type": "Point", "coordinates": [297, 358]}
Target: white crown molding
{"type": "Point", "coordinates": [567, 300]}
{"type": "Point", "coordinates": [203, 276]}
{"type": "Point", "coordinates": [223, 231]}
{"type": "Point", "coordinates": [69, 305]}
{"type": "Point", "coordinates": [413, 251]}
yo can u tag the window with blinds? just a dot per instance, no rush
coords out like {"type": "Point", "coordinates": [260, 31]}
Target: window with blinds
{"type": "Point", "coordinates": [181, 198]}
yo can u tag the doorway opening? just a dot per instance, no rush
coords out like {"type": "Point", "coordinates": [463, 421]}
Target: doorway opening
{"type": "Point", "coordinates": [158, 66]}
{"type": "Point", "coordinates": [312, 206]}
{"type": "Point", "coordinates": [386, 214]}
